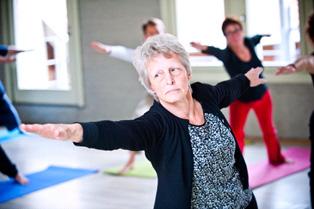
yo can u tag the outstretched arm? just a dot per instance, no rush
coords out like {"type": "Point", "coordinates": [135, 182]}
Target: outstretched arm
{"type": "Point", "coordinates": [305, 62]}
{"type": "Point", "coordinates": [210, 50]}
{"type": "Point", "coordinates": [64, 132]}
{"type": "Point", "coordinates": [198, 46]}
{"type": "Point", "coordinates": [118, 52]}
{"type": "Point", "coordinates": [138, 134]}
{"type": "Point", "coordinates": [228, 91]}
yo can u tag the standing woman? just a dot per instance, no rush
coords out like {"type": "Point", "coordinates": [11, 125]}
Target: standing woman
{"type": "Point", "coordinates": [238, 58]}
{"type": "Point", "coordinates": [151, 27]}
{"type": "Point", "coordinates": [184, 134]}
{"type": "Point", "coordinates": [305, 63]}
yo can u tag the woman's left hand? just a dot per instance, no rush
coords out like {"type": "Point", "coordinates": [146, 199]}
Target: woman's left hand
{"type": "Point", "coordinates": [253, 76]}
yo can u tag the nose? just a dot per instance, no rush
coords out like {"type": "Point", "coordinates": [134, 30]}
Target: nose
{"type": "Point", "coordinates": [169, 78]}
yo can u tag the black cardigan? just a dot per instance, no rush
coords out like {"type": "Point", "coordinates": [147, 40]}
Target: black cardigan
{"type": "Point", "coordinates": [166, 141]}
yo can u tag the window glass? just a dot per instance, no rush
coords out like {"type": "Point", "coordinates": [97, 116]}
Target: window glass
{"type": "Point", "coordinates": [280, 19]}
{"type": "Point", "coordinates": [200, 20]}
{"type": "Point", "coordinates": [43, 31]}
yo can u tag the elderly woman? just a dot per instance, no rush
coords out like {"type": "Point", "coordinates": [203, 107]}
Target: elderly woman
{"type": "Point", "coordinates": [184, 134]}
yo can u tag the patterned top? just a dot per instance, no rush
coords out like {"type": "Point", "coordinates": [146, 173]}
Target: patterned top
{"type": "Point", "coordinates": [216, 181]}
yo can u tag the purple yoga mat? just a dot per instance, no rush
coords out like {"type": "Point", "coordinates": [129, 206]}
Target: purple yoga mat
{"type": "Point", "coordinates": [264, 173]}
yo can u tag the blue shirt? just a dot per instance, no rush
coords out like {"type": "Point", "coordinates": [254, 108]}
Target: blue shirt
{"type": "Point", "coordinates": [3, 50]}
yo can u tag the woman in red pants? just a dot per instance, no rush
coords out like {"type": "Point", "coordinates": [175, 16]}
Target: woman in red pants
{"type": "Point", "coordinates": [239, 57]}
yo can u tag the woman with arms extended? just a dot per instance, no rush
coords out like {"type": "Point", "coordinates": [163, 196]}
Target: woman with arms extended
{"type": "Point", "coordinates": [151, 27]}
{"type": "Point", "coordinates": [238, 58]}
{"type": "Point", "coordinates": [184, 134]}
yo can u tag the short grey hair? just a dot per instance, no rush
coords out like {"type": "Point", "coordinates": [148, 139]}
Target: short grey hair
{"type": "Point", "coordinates": [153, 46]}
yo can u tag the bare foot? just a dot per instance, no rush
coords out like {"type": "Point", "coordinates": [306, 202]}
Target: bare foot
{"type": "Point", "coordinates": [21, 179]}
{"type": "Point", "coordinates": [126, 168]}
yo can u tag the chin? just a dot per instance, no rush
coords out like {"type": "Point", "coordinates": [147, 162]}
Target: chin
{"type": "Point", "coordinates": [173, 99]}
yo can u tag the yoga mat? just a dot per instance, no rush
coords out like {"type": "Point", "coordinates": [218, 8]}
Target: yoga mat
{"type": "Point", "coordinates": [141, 169]}
{"type": "Point", "coordinates": [259, 174]}
{"type": "Point", "coordinates": [49, 177]}
{"type": "Point", "coordinates": [6, 135]}
{"type": "Point", "coordinates": [264, 173]}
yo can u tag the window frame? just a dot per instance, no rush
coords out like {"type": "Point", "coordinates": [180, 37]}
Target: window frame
{"type": "Point", "coordinates": [72, 97]}
{"type": "Point", "coordinates": [214, 74]}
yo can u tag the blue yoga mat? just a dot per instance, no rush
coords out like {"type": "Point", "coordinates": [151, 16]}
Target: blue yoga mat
{"type": "Point", "coordinates": [9, 135]}
{"type": "Point", "coordinates": [51, 176]}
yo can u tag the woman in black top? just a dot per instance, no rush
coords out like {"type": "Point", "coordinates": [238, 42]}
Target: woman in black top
{"type": "Point", "coordinates": [184, 134]}
{"type": "Point", "coordinates": [306, 63]}
{"type": "Point", "coordinates": [238, 58]}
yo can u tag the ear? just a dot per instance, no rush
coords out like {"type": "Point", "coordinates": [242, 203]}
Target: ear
{"type": "Point", "coordinates": [151, 87]}
{"type": "Point", "coordinates": [190, 76]}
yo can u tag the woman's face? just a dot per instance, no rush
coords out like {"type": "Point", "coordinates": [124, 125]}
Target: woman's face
{"type": "Point", "coordinates": [151, 31]}
{"type": "Point", "coordinates": [168, 78]}
{"type": "Point", "coordinates": [234, 34]}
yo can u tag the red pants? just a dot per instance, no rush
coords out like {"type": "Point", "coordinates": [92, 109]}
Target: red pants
{"type": "Point", "coordinates": [263, 110]}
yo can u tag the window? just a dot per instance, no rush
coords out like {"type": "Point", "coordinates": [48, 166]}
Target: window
{"type": "Point", "coordinates": [45, 34]}
{"type": "Point", "coordinates": [281, 23]}
{"type": "Point", "coordinates": [49, 72]}
{"type": "Point", "coordinates": [200, 20]}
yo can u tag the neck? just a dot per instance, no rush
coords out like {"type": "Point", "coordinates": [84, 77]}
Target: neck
{"type": "Point", "coordinates": [238, 47]}
{"type": "Point", "coordinates": [180, 108]}
{"type": "Point", "coordinates": [188, 109]}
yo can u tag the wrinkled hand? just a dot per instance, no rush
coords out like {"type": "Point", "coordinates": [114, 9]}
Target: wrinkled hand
{"type": "Point", "coordinates": [253, 76]}
{"type": "Point", "coordinates": [73, 132]}
{"type": "Point", "coordinates": [198, 46]}
{"type": "Point", "coordinates": [285, 70]}
{"type": "Point", "coordinates": [100, 48]}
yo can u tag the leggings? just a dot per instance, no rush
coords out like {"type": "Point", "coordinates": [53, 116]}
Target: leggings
{"type": "Point", "coordinates": [263, 110]}
{"type": "Point", "coordinates": [8, 114]}
{"type": "Point", "coordinates": [6, 166]}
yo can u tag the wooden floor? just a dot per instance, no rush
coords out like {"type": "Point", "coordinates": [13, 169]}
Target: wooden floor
{"type": "Point", "coordinates": [101, 191]}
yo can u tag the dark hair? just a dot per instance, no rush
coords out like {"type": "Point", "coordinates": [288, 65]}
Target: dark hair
{"type": "Point", "coordinates": [310, 27]}
{"type": "Point", "coordinates": [147, 24]}
{"type": "Point", "coordinates": [230, 21]}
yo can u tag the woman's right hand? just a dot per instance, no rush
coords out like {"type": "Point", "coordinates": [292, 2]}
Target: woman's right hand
{"type": "Point", "coordinates": [198, 46]}
{"type": "Point", "coordinates": [286, 70]}
{"type": "Point", "coordinates": [64, 132]}
{"type": "Point", "coordinates": [100, 47]}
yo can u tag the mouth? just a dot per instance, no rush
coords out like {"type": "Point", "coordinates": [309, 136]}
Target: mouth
{"type": "Point", "coordinates": [171, 91]}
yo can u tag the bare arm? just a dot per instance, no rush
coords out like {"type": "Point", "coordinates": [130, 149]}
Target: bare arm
{"type": "Point", "coordinates": [66, 132]}
{"type": "Point", "coordinates": [7, 59]}
{"type": "Point", "coordinates": [138, 134]}
{"type": "Point", "coordinates": [303, 63]}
